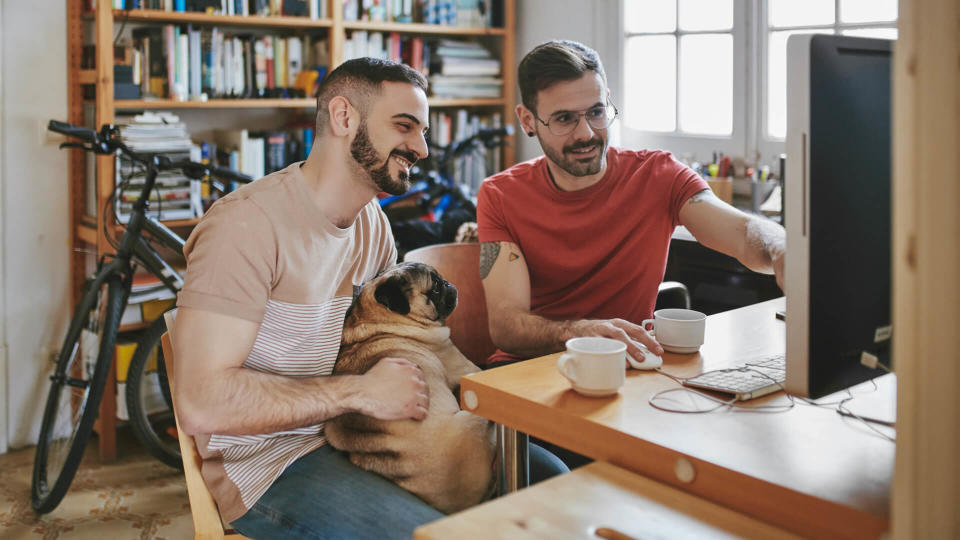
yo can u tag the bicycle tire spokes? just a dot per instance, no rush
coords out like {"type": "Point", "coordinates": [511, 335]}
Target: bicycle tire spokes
{"type": "Point", "coordinates": [72, 386]}
{"type": "Point", "coordinates": [75, 390]}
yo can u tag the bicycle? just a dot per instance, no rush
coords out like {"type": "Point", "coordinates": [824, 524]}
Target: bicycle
{"type": "Point", "coordinates": [79, 378]}
{"type": "Point", "coordinates": [442, 203]}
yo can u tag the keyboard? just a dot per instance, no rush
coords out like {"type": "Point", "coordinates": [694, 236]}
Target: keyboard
{"type": "Point", "coordinates": [748, 380]}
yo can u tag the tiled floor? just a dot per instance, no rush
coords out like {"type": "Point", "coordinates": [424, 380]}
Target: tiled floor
{"type": "Point", "coordinates": [135, 497]}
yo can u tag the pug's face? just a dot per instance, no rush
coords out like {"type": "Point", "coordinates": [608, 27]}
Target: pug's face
{"type": "Point", "coordinates": [413, 290]}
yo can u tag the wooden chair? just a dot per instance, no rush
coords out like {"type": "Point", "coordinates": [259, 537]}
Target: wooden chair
{"type": "Point", "coordinates": [460, 264]}
{"type": "Point", "coordinates": [207, 524]}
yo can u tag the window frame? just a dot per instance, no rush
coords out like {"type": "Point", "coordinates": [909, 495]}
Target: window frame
{"type": "Point", "coordinates": [678, 142]}
{"type": "Point", "coordinates": [751, 30]}
{"type": "Point", "coordinates": [768, 147]}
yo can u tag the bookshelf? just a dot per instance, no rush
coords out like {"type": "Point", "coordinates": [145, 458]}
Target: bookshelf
{"type": "Point", "coordinates": [89, 240]}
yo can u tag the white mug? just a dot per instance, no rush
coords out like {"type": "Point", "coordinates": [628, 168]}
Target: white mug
{"type": "Point", "coordinates": [677, 330]}
{"type": "Point", "coordinates": [595, 366]}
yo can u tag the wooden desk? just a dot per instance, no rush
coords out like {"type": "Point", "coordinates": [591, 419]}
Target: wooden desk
{"type": "Point", "coordinates": [808, 470]}
{"type": "Point", "coordinates": [596, 501]}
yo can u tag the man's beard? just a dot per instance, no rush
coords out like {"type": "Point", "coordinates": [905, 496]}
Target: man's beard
{"type": "Point", "coordinates": [569, 163]}
{"type": "Point", "coordinates": [368, 158]}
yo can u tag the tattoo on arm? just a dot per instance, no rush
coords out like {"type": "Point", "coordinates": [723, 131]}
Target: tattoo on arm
{"type": "Point", "coordinates": [489, 251]}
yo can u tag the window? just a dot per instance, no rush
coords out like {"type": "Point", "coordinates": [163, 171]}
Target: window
{"type": "Point", "coordinates": [865, 18]}
{"type": "Point", "coordinates": [700, 76]}
{"type": "Point", "coordinates": [685, 48]}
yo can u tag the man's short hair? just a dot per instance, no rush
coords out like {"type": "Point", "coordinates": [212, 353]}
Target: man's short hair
{"type": "Point", "coordinates": [360, 79]}
{"type": "Point", "coordinates": [553, 62]}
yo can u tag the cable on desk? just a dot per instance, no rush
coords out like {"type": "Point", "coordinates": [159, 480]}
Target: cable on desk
{"type": "Point", "coordinates": [731, 404]}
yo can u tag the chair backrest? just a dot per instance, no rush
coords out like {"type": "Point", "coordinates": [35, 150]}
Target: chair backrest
{"type": "Point", "coordinates": [460, 264]}
{"type": "Point", "coordinates": [207, 524]}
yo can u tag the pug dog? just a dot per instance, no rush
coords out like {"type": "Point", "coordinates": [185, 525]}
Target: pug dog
{"type": "Point", "coordinates": [446, 459]}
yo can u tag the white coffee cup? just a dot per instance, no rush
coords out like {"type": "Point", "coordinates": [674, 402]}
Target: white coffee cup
{"type": "Point", "coordinates": [677, 330]}
{"type": "Point", "coordinates": [595, 366]}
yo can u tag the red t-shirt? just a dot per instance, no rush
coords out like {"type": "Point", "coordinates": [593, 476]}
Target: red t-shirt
{"type": "Point", "coordinates": [597, 253]}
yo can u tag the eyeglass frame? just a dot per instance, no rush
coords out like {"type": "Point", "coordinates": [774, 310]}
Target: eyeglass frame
{"type": "Point", "coordinates": [581, 114]}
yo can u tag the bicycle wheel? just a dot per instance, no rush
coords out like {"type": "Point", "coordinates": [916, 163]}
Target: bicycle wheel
{"type": "Point", "coordinates": [148, 398]}
{"type": "Point", "coordinates": [76, 388]}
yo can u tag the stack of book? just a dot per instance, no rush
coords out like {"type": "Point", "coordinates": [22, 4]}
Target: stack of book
{"type": "Point", "coordinates": [174, 196]}
{"type": "Point", "coordinates": [463, 13]}
{"type": "Point", "coordinates": [200, 63]}
{"type": "Point", "coordinates": [407, 49]}
{"type": "Point", "coordinates": [315, 9]}
{"type": "Point", "coordinates": [463, 69]}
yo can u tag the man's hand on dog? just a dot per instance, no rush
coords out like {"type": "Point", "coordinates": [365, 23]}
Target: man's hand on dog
{"type": "Point", "coordinates": [394, 389]}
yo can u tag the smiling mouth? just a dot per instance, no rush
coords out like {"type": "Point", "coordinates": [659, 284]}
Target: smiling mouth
{"type": "Point", "coordinates": [404, 163]}
{"type": "Point", "coordinates": [583, 151]}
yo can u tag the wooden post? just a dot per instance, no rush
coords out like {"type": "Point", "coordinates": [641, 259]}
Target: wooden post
{"type": "Point", "coordinates": [509, 47]}
{"type": "Point", "coordinates": [106, 423]}
{"type": "Point", "coordinates": [926, 266]}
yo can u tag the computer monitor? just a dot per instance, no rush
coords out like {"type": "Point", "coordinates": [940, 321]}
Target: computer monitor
{"type": "Point", "coordinates": [837, 212]}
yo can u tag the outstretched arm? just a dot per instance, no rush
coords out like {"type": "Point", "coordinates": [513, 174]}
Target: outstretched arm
{"type": "Point", "coordinates": [514, 329]}
{"type": "Point", "coordinates": [216, 394]}
{"type": "Point", "coordinates": [758, 243]}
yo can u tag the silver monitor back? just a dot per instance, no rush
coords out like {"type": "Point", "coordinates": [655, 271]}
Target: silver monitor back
{"type": "Point", "coordinates": [837, 204]}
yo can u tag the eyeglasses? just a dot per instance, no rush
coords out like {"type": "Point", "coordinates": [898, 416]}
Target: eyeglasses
{"type": "Point", "coordinates": [564, 122]}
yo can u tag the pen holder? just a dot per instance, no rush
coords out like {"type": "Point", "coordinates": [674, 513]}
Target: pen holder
{"type": "Point", "coordinates": [722, 188]}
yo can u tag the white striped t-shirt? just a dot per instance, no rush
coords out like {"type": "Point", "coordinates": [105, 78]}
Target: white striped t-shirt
{"type": "Point", "coordinates": [266, 253]}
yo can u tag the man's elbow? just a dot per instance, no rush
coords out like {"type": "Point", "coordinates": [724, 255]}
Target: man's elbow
{"type": "Point", "coordinates": [193, 418]}
{"type": "Point", "coordinates": [502, 333]}
{"type": "Point", "coordinates": [496, 332]}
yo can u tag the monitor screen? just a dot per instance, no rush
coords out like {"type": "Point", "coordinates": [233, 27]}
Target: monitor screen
{"type": "Point", "coordinates": [837, 211]}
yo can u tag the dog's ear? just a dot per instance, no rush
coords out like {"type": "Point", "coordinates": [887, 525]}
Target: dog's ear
{"type": "Point", "coordinates": [390, 294]}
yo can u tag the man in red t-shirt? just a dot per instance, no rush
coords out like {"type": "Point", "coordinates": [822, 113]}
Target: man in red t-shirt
{"type": "Point", "coordinates": [575, 243]}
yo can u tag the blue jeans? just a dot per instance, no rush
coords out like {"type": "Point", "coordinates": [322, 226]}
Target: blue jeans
{"type": "Point", "coordinates": [323, 495]}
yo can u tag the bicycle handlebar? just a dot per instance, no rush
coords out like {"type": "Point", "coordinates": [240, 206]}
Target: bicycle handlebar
{"type": "Point", "coordinates": [82, 133]}
{"type": "Point", "coordinates": [108, 141]}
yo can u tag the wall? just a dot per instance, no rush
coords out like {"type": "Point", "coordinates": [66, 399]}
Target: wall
{"type": "Point", "coordinates": [34, 207]}
{"type": "Point", "coordinates": [593, 23]}
{"type": "Point", "coordinates": [3, 324]}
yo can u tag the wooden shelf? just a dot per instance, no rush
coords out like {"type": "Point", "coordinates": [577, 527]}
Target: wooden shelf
{"type": "Point", "coordinates": [181, 222]}
{"type": "Point", "coordinates": [171, 223]}
{"type": "Point", "coordinates": [465, 102]}
{"type": "Point", "coordinates": [87, 76]}
{"type": "Point", "coordinates": [297, 103]}
{"type": "Point", "coordinates": [155, 15]}
{"type": "Point", "coordinates": [420, 28]}
{"type": "Point", "coordinates": [271, 103]}
{"type": "Point", "coordinates": [87, 233]}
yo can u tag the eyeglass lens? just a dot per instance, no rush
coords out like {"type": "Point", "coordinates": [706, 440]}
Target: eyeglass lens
{"type": "Point", "coordinates": [599, 117]}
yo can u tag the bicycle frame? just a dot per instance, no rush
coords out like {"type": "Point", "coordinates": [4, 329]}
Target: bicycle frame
{"type": "Point", "coordinates": [134, 247]}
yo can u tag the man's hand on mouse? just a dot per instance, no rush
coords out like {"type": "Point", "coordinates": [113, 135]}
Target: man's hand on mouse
{"type": "Point", "coordinates": [634, 336]}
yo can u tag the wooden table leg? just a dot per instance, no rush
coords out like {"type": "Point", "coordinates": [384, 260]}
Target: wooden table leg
{"type": "Point", "coordinates": [512, 448]}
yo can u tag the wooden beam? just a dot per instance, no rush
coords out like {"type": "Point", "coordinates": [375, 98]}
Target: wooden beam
{"type": "Point", "coordinates": [926, 263]}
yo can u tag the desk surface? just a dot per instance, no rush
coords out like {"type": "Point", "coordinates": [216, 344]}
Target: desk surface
{"type": "Point", "coordinates": [598, 500]}
{"type": "Point", "coordinates": [808, 470]}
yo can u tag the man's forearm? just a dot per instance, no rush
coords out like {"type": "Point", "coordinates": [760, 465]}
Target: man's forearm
{"type": "Point", "coordinates": [244, 401]}
{"type": "Point", "coordinates": [765, 241]}
{"type": "Point", "coordinates": [528, 335]}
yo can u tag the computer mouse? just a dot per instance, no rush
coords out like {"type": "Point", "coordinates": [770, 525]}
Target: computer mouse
{"type": "Point", "coordinates": [649, 361]}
